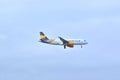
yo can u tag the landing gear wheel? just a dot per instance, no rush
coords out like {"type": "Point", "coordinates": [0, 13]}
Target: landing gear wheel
{"type": "Point", "coordinates": [81, 46]}
{"type": "Point", "coordinates": [64, 46]}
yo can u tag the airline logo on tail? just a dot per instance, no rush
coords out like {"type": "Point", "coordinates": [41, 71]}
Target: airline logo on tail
{"type": "Point", "coordinates": [42, 36]}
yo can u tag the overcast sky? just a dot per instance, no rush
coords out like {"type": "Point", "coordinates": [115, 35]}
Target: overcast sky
{"type": "Point", "coordinates": [22, 57]}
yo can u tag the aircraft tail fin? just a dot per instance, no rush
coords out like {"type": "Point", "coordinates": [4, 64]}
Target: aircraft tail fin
{"type": "Point", "coordinates": [43, 36]}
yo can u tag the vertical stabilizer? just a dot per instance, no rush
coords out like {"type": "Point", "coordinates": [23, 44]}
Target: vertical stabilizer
{"type": "Point", "coordinates": [43, 36]}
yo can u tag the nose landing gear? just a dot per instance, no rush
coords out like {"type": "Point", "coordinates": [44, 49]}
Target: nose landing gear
{"type": "Point", "coordinates": [81, 46]}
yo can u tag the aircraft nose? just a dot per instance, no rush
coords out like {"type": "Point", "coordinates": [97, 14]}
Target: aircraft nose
{"type": "Point", "coordinates": [85, 42]}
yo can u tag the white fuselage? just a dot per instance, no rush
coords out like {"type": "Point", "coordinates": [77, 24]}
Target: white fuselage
{"type": "Point", "coordinates": [59, 42]}
{"type": "Point", "coordinates": [78, 41]}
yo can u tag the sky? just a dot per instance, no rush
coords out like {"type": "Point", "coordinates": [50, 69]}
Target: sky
{"type": "Point", "coordinates": [22, 57]}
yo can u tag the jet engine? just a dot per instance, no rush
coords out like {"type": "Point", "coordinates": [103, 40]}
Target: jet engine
{"type": "Point", "coordinates": [70, 44]}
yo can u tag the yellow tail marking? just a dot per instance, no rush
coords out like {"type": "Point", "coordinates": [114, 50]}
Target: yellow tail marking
{"type": "Point", "coordinates": [42, 37]}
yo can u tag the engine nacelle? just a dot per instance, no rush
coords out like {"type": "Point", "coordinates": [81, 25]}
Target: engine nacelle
{"type": "Point", "coordinates": [70, 44]}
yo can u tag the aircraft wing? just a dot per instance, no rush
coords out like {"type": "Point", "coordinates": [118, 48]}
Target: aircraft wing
{"type": "Point", "coordinates": [65, 42]}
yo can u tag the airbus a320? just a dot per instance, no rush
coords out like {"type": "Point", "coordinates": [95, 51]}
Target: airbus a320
{"type": "Point", "coordinates": [62, 42]}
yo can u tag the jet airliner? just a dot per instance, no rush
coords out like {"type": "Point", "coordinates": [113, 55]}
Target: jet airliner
{"type": "Point", "coordinates": [61, 41]}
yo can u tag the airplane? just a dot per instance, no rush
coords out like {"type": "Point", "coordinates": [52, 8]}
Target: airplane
{"type": "Point", "coordinates": [62, 42]}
